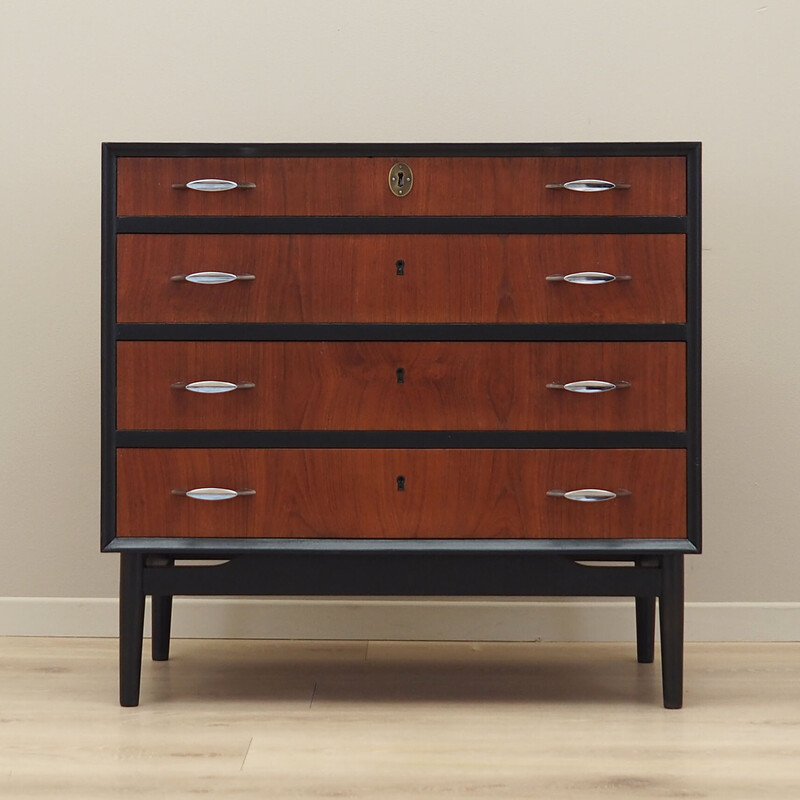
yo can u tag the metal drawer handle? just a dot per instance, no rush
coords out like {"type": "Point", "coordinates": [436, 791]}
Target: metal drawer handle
{"type": "Point", "coordinates": [589, 495]}
{"type": "Point", "coordinates": [588, 185]}
{"type": "Point", "coordinates": [210, 278]}
{"type": "Point", "coordinates": [213, 185]}
{"type": "Point", "coordinates": [213, 387]}
{"type": "Point", "coordinates": [589, 278]}
{"type": "Point", "coordinates": [590, 387]}
{"type": "Point", "coordinates": [213, 493]}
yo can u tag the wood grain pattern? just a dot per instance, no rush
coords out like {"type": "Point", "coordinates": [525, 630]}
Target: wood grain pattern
{"type": "Point", "coordinates": [446, 278]}
{"type": "Point", "coordinates": [442, 186]}
{"type": "Point", "coordinates": [317, 493]}
{"type": "Point", "coordinates": [496, 720]}
{"type": "Point", "coordinates": [446, 385]}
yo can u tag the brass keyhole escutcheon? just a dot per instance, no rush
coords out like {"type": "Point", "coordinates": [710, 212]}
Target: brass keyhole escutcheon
{"type": "Point", "coordinates": [401, 179]}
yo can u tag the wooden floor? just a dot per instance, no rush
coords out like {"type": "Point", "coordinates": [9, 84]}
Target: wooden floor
{"type": "Point", "coordinates": [258, 719]}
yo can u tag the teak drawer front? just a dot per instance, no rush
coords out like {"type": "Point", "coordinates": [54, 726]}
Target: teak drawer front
{"type": "Point", "coordinates": [442, 278]}
{"type": "Point", "coordinates": [469, 494]}
{"type": "Point", "coordinates": [442, 186]}
{"type": "Point", "coordinates": [401, 385]}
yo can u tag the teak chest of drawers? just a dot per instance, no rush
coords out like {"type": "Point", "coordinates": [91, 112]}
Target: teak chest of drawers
{"type": "Point", "coordinates": [401, 370]}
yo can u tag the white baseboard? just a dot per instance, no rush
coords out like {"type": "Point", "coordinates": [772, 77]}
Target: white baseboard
{"type": "Point", "coordinates": [424, 620]}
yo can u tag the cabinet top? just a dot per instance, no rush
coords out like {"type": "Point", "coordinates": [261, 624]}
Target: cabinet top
{"type": "Point", "coordinates": [349, 149]}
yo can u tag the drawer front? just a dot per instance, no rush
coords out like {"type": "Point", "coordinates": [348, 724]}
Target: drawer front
{"type": "Point", "coordinates": [401, 278]}
{"type": "Point", "coordinates": [472, 186]}
{"type": "Point", "coordinates": [447, 494]}
{"type": "Point", "coordinates": [402, 385]}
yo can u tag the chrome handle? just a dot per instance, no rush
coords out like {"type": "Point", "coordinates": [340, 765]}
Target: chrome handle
{"type": "Point", "coordinates": [213, 493]}
{"type": "Point", "coordinates": [589, 278]}
{"type": "Point", "coordinates": [588, 185]}
{"type": "Point", "coordinates": [213, 185]}
{"type": "Point", "coordinates": [213, 387]}
{"type": "Point", "coordinates": [210, 278]}
{"type": "Point", "coordinates": [588, 495]}
{"type": "Point", "coordinates": [590, 387]}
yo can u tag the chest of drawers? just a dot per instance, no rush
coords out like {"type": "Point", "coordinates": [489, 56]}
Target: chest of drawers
{"type": "Point", "coordinates": [401, 370]}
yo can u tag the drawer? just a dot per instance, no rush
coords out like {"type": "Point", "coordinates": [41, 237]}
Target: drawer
{"type": "Point", "coordinates": [447, 494]}
{"type": "Point", "coordinates": [401, 385]}
{"type": "Point", "coordinates": [401, 278]}
{"type": "Point", "coordinates": [471, 186]}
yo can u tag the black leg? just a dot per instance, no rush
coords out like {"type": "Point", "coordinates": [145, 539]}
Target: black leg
{"type": "Point", "coordinates": [645, 621]}
{"type": "Point", "coordinates": [670, 607]}
{"type": "Point", "coordinates": [645, 629]}
{"type": "Point", "coordinates": [162, 621]}
{"type": "Point", "coordinates": [131, 627]}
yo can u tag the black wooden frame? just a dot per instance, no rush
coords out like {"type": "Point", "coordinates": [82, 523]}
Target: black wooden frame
{"type": "Point", "coordinates": [406, 567]}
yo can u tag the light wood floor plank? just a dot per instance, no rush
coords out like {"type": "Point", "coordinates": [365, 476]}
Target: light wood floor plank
{"type": "Point", "coordinates": [240, 719]}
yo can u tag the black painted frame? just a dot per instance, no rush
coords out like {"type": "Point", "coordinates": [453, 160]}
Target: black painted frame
{"type": "Point", "coordinates": [437, 567]}
{"type": "Point", "coordinates": [690, 332]}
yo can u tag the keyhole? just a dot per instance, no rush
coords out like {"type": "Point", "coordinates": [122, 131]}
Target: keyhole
{"type": "Point", "coordinates": [400, 179]}
{"type": "Point", "coordinates": [401, 375]}
{"type": "Point", "coordinates": [401, 483]}
{"type": "Point", "coordinates": [401, 266]}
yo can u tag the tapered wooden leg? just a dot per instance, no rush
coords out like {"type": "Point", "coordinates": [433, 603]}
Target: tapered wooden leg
{"type": "Point", "coordinates": [670, 607]}
{"type": "Point", "coordinates": [162, 622]}
{"type": "Point", "coordinates": [645, 629]}
{"type": "Point", "coordinates": [131, 627]}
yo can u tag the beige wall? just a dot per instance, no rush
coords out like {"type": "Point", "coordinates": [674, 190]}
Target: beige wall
{"type": "Point", "coordinates": [77, 73]}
